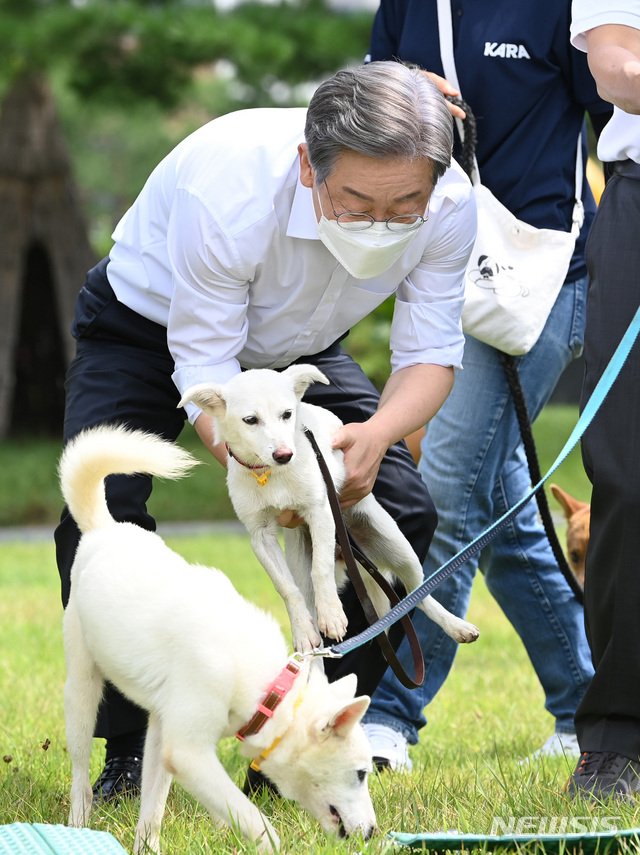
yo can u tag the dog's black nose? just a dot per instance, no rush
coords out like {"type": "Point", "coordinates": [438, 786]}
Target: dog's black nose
{"type": "Point", "coordinates": [282, 455]}
{"type": "Point", "coordinates": [367, 832]}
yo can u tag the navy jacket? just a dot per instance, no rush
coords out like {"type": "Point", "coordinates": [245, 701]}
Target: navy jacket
{"type": "Point", "coordinates": [528, 89]}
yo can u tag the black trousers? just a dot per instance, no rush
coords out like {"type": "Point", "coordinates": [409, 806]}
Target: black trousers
{"type": "Point", "coordinates": [608, 719]}
{"type": "Point", "coordinates": [122, 375]}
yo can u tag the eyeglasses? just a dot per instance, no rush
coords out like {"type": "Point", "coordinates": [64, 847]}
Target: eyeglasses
{"type": "Point", "coordinates": [355, 221]}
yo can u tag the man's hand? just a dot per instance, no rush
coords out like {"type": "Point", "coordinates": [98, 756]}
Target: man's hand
{"type": "Point", "coordinates": [447, 89]}
{"type": "Point", "coordinates": [290, 519]}
{"type": "Point", "coordinates": [613, 53]}
{"type": "Point", "coordinates": [410, 398]}
{"type": "Point", "coordinates": [363, 452]}
{"type": "Point", "coordinates": [204, 428]}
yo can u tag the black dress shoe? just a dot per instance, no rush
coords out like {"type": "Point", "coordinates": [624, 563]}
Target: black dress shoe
{"type": "Point", "coordinates": [256, 784]}
{"type": "Point", "coordinates": [120, 777]}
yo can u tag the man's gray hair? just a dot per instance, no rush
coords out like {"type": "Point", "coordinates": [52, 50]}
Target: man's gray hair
{"type": "Point", "coordinates": [383, 110]}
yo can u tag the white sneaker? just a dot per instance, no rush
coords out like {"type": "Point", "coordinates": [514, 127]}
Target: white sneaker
{"type": "Point", "coordinates": [558, 745]}
{"type": "Point", "coordinates": [389, 748]}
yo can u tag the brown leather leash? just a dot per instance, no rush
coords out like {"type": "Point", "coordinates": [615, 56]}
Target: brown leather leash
{"type": "Point", "coordinates": [350, 549]}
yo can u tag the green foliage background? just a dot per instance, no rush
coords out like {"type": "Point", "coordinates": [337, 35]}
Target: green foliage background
{"type": "Point", "coordinates": [124, 51]}
{"type": "Point", "coordinates": [133, 77]}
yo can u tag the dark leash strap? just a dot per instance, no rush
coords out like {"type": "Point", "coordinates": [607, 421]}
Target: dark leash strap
{"type": "Point", "coordinates": [469, 137]}
{"type": "Point", "coordinates": [350, 549]}
{"type": "Point", "coordinates": [522, 412]}
{"type": "Point", "coordinates": [466, 160]}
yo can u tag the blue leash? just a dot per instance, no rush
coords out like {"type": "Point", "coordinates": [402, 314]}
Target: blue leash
{"type": "Point", "coordinates": [411, 601]}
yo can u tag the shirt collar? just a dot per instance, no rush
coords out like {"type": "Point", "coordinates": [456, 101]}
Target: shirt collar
{"type": "Point", "coordinates": [302, 221]}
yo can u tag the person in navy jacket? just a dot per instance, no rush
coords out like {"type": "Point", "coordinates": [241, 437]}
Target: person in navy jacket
{"type": "Point", "coordinates": [529, 90]}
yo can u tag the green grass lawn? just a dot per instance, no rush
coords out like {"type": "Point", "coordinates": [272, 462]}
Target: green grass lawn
{"type": "Point", "coordinates": [467, 772]}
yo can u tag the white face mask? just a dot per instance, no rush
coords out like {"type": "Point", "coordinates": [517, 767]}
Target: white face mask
{"type": "Point", "coordinates": [367, 253]}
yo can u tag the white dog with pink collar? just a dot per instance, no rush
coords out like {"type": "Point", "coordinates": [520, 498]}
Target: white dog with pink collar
{"type": "Point", "coordinates": [203, 661]}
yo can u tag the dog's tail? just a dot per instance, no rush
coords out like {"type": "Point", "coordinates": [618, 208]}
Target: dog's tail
{"type": "Point", "coordinates": [107, 450]}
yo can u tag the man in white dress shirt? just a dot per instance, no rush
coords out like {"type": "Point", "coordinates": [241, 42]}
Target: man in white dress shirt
{"type": "Point", "coordinates": [258, 242]}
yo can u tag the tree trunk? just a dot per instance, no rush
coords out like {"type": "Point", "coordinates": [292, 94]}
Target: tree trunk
{"type": "Point", "coordinates": [44, 256]}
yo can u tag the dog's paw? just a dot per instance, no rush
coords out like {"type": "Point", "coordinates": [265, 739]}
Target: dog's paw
{"type": "Point", "coordinates": [305, 640]}
{"type": "Point", "coordinates": [333, 621]}
{"type": "Point", "coordinates": [464, 632]}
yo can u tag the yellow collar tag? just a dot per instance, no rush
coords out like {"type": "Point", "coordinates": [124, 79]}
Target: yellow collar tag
{"type": "Point", "coordinates": [261, 479]}
{"type": "Point", "coordinates": [257, 762]}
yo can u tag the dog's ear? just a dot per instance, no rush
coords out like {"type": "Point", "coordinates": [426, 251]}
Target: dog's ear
{"type": "Point", "coordinates": [346, 718]}
{"type": "Point", "coordinates": [208, 396]}
{"type": "Point", "coordinates": [302, 376]}
{"type": "Point", "coordinates": [568, 503]}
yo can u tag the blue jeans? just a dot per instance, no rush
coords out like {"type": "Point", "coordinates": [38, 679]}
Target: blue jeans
{"type": "Point", "coordinates": [474, 466]}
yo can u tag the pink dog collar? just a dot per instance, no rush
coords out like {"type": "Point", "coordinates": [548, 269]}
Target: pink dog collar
{"type": "Point", "coordinates": [275, 694]}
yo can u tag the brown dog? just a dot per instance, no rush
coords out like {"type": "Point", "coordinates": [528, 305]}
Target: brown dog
{"type": "Point", "coordinates": [578, 516]}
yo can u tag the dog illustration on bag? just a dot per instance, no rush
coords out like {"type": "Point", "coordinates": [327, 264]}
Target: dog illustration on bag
{"type": "Point", "coordinates": [492, 275]}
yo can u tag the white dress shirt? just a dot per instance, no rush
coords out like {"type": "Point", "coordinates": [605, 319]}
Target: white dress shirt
{"type": "Point", "coordinates": [620, 138]}
{"type": "Point", "coordinates": [221, 247]}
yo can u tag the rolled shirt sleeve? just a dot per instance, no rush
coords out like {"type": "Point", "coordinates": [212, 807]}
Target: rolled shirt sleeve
{"type": "Point", "coordinates": [427, 325]}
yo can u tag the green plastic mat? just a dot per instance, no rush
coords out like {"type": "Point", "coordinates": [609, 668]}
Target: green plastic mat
{"type": "Point", "coordinates": [20, 838]}
{"type": "Point", "coordinates": [589, 843]}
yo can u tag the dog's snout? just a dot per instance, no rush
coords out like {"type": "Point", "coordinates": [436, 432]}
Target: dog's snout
{"type": "Point", "coordinates": [282, 455]}
{"type": "Point", "coordinates": [366, 831]}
